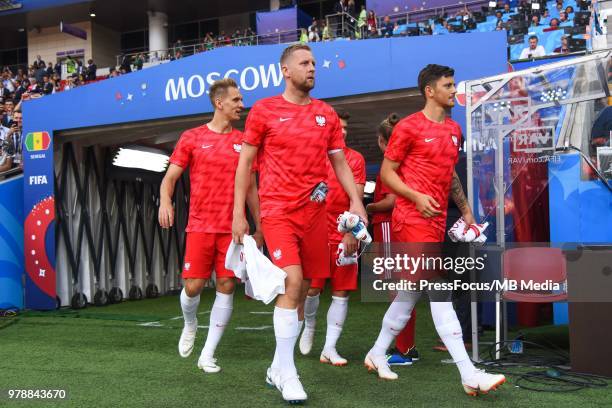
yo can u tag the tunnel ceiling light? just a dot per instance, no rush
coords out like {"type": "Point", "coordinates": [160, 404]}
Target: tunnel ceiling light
{"type": "Point", "coordinates": [135, 157]}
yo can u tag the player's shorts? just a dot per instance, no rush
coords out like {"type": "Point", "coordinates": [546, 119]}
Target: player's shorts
{"type": "Point", "coordinates": [299, 238]}
{"type": "Point", "coordinates": [416, 233]}
{"type": "Point", "coordinates": [419, 241]}
{"type": "Point", "coordinates": [342, 277]}
{"type": "Point", "coordinates": [205, 251]}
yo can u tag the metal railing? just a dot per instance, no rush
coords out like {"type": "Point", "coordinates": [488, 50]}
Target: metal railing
{"type": "Point", "coordinates": [10, 173]}
{"type": "Point", "coordinates": [341, 25]}
{"type": "Point", "coordinates": [202, 45]}
{"type": "Point", "coordinates": [415, 16]}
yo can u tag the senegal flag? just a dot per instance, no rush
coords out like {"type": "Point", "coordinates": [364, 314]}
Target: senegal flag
{"type": "Point", "coordinates": [36, 141]}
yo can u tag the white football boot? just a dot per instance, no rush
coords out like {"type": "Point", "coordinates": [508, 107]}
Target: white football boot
{"type": "Point", "coordinates": [185, 346]}
{"type": "Point", "coordinates": [482, 382]}
{"type": "Point", "coordinates": [306, 340]}
{"type": "Point", "coordinates": [292, 390]}
{"type": "Point", "coordinates": [380, 365]}
{"type": "Point", "coordinates": [208, 365]}
{"type": "Point", "coordinates": [332, 357]}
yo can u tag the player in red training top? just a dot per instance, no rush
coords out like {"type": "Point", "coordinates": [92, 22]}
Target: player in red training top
{"type": "Point", "coordinates": [419, 168]}
{"type": "Point", "coordinates": [211, 153]}
{"type": "Point", "coordinates": [380, 209]}
{"type": "Point", "coordinates": [343, 276]}
{"type": "Point", "coordinates": [293, 135]}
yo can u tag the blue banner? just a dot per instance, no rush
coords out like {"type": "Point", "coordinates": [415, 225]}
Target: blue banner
{"type": "Point", "coordinates": [39, 224]}
{"type": "Point", "coordinates": [11, 242]}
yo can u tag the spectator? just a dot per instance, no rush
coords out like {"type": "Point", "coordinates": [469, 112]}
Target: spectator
{"type": "Point", "coordinates": [534, 50]}
{"type": "Point", "coordinates": [91, 70]}
{"type": "Point", "coordinates": [499, 16]}
{"type": "Point", "coordinates": [139, 62]}
{"type": "Point", "coordinates": [39, 61]}
{"type": "Point", "coordinates": [362, 22]}
{"type": "Point", "coordinates": [39, 71]}
{"type": "Point", "coordinates": [325, 35]}
{"type": "Point", "coordinates": [7, 117]}
{"type": "Point", "coordinates": [80, 70]}
{"type": "Point", "coordinates": [6, 151]}
{"type": "Point", "coordinates": [237, 38]}
{"type": "Point", "coordinates": [569, 10]}
{"type": "Point", "coordinates": [70, 65]}
{"type": "Point", "coordinates": [563, 17]}
{"type": "Point", "coordinates": [126, 63]}
{"type": "Point", "coordinates": [559, 7]}
{"type": "Point", "coordinates": [250, 34]}
{"type": "Point", "coordinates": [303, 36]}
{"type": "Point", "coordinates": [554, 25]}
{"type": "Point", "coordinates": [351, 9]}
{"type": "Point", "coordinates": [564, 48]}
{"type": "Point", "coordinates": [4, 93]}
{"type": "Point", "coordinates": [209, 42]}
{"type": "Point", "coordinates": [49, 70]}
{"type": "Point", "coordinates": [340, 7]}
{"type": "Point", "coordinates": [47, 85]}
{"type": "Point", "coordinates": [8, 81]}
{"type": "Point", "coordinates": [535, 20]}
{"type": "Point", "coordinates": [387, 27]}
{"type": "Point", "coordinates": [17, 127]}
{"type": "Point", "coordinates": [372, 24]}
{"type": "Point", "coordinates": [313, 32]}
{"type": "Point", "coordinates": [546, 14]}
{"type": "Point", "coordinates": [11, 141]}
{"type": "Point", "coordinates": [58, 69]}
{"type": "Point", "coordinates": [21, 89]}
{"type": "Point", "coordinates": [507, 8]}
{"type": "Point", "coordinates": [113, 73]}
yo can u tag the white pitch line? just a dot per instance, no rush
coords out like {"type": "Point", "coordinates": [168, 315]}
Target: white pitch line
{"type": "Point", "coordinates": [151, 324]}
{"type": "Point", "coordinates": [262, 313]}
{"type": "Point", "coordinates": [254, 328]}
{"type": "Point", "coordinates": [206, 312]}
{"type": "Point", "coordinates": [176, 318]}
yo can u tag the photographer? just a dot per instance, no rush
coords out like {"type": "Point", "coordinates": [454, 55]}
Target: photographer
{"type": "Point", "coordinates": [10, 141]}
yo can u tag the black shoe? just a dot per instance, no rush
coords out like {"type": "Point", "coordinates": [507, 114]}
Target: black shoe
{"type": "Point", "coordinates": [413, 353]}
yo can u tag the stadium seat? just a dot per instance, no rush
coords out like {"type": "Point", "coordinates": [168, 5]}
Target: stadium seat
{"type": "Point", "coordinates": [537, 264]}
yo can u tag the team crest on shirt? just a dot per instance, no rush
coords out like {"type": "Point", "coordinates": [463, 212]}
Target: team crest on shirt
{"type": "Point", "coordinates": [277, 254]}
{"type": "Point", "coordinates": [187, 266]}
{"type": "Point", "coordinates": [320, 119]}
{"type": "Point", "coordinates": [238, 147]}
{"type": "Point", "coordinates": [455, 139]}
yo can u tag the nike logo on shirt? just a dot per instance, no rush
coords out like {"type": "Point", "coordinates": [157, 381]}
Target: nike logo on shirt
{"type": "Point", "coordinates": [284, 119]}
{"type": "Point", "coordinates": [429, 140]}
{"type": "Point", "coordinates": [206, 146]}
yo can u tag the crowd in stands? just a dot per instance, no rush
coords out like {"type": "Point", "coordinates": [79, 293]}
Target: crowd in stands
{"type": "Point", "coordinates": [524, 23]}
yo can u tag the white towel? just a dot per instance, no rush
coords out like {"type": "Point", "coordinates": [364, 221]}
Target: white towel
{"type": "Point", "coordinates": [474, 233]}
{"type": "Point", "coordinates": [262, 278]}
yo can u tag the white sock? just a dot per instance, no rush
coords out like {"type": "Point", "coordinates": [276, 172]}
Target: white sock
{"type": "Point", "coordinates": [189, 306]}
{"type": "Point", "coordinates": [395, 320]}
{"type": "Point", "coordinates": [275, 359]}
{"type": "Point", "coordinates": [219, 317]}
{"type": "Point", "coordinates": [449, 330]}
{"type": "Point", "coordinates": [310, 311]}
{"type": "Point", "coordinates": [286, 330]}
{"type": "Point", "coordinates": [336, 315]}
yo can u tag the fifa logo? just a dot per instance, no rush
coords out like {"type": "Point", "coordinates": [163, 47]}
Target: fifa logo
{"type": "Point", "coordinates": [320, 119]}
{"type": "Point", "coordinates": [187, 266]}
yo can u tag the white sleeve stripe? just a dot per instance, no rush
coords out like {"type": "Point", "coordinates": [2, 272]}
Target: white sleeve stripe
{"type": "Point", "coordinates": [334, 151]}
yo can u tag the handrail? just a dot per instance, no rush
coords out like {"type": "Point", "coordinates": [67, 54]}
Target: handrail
{"type": "Point", "coordinates": [11, 172]}
{"type": "Point", "coordinates": [200, 45]}
{"type": "Point", "coordinates": [431, 10]}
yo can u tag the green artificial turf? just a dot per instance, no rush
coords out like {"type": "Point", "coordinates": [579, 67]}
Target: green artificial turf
{"type": "Point", "coordinates": [105, 357]}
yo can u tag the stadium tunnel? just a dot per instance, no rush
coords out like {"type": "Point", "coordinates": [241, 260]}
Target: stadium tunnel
{"type": "Point", "coordinates": [107, 223]}
{"type": "Point", "coordinates": [103, 242]}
